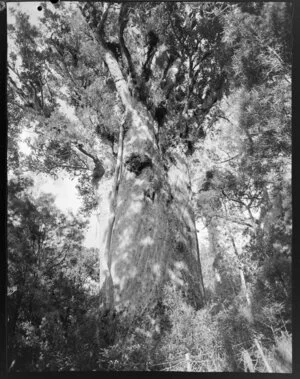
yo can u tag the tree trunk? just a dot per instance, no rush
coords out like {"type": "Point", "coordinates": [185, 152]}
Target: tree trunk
{"type": "Point", "coordinates": [153, 240]}
{"type": "Point", "coordinates": [214, 250]}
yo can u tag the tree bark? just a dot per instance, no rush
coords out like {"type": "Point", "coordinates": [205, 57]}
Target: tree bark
{"type": "Point", "coordinates": [153, 240]}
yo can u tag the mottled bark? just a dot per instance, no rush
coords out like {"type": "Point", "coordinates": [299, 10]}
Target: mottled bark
{"type": "Point", "coordinates": [153, 239]}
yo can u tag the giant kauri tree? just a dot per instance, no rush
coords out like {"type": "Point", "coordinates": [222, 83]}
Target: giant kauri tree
{"type": "Point", "coordinates": [140, 79]}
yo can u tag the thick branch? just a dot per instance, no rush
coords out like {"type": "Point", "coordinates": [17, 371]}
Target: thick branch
{"type": "Point", "coordinates": [120, 82]}
{"type": "Point", "coordinates": [80, 147]}
{"type": "Point", "coordinates": [123, 20]}
{"type": "Point", "coordinates": [110, 60]}
{"type": "Point", "coordinates": [101, 26]}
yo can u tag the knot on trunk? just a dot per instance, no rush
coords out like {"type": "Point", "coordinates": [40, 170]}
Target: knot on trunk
{"type": "Point", "coordinates": [154, 186]}
{"type": "Point", "coordinates": [150, 193]}
{"type": "Point", "coordinates": [180, 246]}
{"type": "Point", "coordinates": [136, 163]}
{"type": "Point", "coordinates": [217, 261]}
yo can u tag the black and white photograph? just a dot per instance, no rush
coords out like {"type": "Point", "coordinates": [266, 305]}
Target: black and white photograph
{"type": "Point", "coordinates": [149, 186]}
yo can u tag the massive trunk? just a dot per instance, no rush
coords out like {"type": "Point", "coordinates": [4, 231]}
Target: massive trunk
{"type": "Point", "coordinates": [153, 240]}
{"type": "Point", "coordinates": [151, 236]}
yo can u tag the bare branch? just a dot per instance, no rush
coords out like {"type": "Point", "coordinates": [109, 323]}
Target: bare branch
{"type": "Point", "coordinates": [235, 221]}
{"type": "Point", "coordinates": [227, 160]}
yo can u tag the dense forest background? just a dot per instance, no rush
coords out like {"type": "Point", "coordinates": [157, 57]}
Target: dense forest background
{"type": "Point", "coordinates": [174, 122]}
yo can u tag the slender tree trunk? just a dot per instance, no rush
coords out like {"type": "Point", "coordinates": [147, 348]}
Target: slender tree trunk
{"type": "Point", "coordinates": [244, 288]}
{"type": "Point", "coordinates": [214, 251]}
{"type": "Point", "coordinates": [105, 280]}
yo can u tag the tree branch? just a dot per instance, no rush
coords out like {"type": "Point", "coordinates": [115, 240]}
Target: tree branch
{"type": "Point", "coordinates": [181, 42]}
{"type": "Point", "coordinates": [229, 159]}
{"type": "Point", "coordinates": [79, 146]}
{"type": "Point", "coordinates": [234, 220]}
{"type": "Point", "coordinates": [243, 204]}
{"type": "Point", "coordinates": [110, 60]}
{"type": "Point", "coordinates": [101, 26]}
{"type": "Point", "coordinates": [123, 20]}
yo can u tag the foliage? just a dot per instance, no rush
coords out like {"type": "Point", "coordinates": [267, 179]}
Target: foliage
{"type": "Point", "coordinates": [243, 190]}
{"type": "Point", "coordinates": [281, 354]}
{"type": "Point", "coordinates": [50, 303]}
{"type": "Point", "coordinates": [183, 330]}
{"type": "Point", "coordinates": [193, 332]}
{"type": "Point", "coordinates": [261, 37]}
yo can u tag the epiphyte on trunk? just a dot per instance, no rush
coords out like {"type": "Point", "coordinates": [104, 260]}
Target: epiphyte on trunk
{"type": "Point", "coordinates": [137, 162]}
{"type": "Point", "coordinates": [98, 172]}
